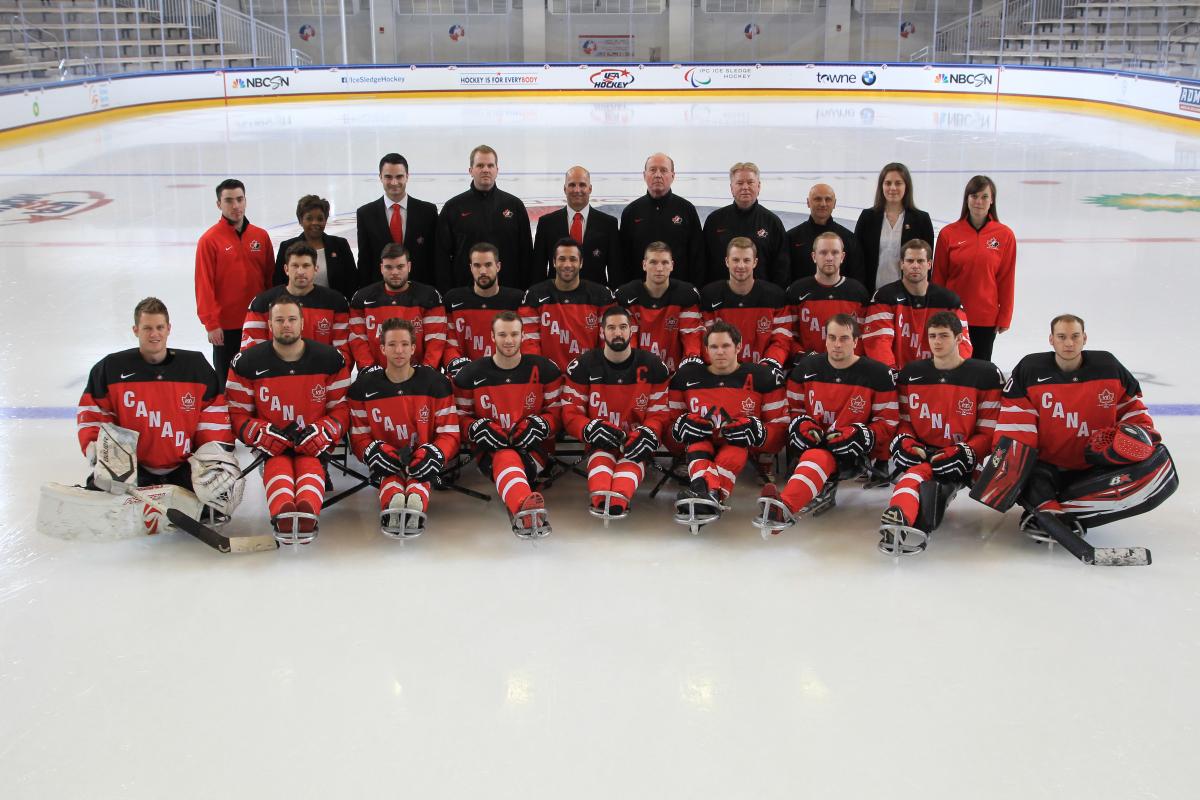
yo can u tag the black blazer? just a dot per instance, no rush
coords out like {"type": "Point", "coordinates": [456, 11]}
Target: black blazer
{"type": "Point", "coordinates": [917, 225]}
{"type": "Point", "coordinates": [339, 261]}
{"type": "Point", "coordinates": [601, 247]}
{"type": "Point", "coordinates": [420, 235]}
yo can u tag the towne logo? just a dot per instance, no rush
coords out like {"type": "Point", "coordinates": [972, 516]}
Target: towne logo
{"type": "Point", "coordinates": [272, 82]}
{"type": "Point", "coordinates": [868, 78]}
{"type": "Point", "coordinates": [611, 79]}
{"type": "Point", "coordinates": [976, 79]}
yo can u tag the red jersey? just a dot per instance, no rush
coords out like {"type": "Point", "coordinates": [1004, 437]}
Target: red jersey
{"type": "Point", "coordinates": [980, 266]}
{"type": "Point", "coordinates": [761, 315]}
{"type": "Point", "coordinates": [836, 398]}
{"type": "Point", "coordinates": [417, 411]}
{"type": "Point", "coordinates": [174, 405]}
{"type": "Point", "coordinates": [1057, 412]}
{"type": "Point", "coordinates": [751, 390]}
{"type": "Point", "coordinates": [894, 330]}
{"type": "Point", "coordinates": [483, 390]}
{"type": "Point", "coordinates": [627, 395]}
{"type": "Point", "coordinates": [469, 320]}
{"type": "Point", "coordinates": [947, 407]}
{"type": "Point", "coordinates": [670, 326]}
{"type": "Point", "coordinates": [560, 325]}
{"type": "Point", "coordinates": [231, 269]}
{"type": "Point", "coordinates": [311, 391]}
{"type": "Point", "coordinates": [811, 304]}
{"type": "Point", "coordinates": [326, 318]}
{"type": "Point", "coordinates": [373, 305]}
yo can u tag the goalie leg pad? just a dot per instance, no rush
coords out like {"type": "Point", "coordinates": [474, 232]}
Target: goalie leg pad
{"type": "Point", "coordinates": [70, 512]}
{"type": "Point", "coordinates": [1109, 494]}
{"type": "Point", "coordinates": [1004, 473]}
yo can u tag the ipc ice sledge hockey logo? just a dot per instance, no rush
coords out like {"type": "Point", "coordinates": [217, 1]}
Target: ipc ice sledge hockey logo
{"type": "Point", "coordinates": [965, 407]}
{"type": "Point", "coordinates": [34, 207]}
{"type": "Point", "coordinates": [187, 402]}
{"type": "Point", "coordinates": [1106, 398]}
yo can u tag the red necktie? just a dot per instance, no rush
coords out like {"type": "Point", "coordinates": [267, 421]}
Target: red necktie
{"type": "Point", "coordinates": [397, 225]}
{"type": "Point", "coordinates": [577, 228]}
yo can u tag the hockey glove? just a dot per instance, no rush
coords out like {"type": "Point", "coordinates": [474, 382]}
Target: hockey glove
{"type": "Point", "coordinates": [1124, 444]}
{"type": "Point", "coordinates": [456, 364]}
{"type": "Point", "coordinates": [642, 443]}
{"type": "Point", "coordinates": [487, 435]}
{"type": "Point", "coordinates": [688, 361]}
{"type": "Point", "coordinates": [744, 432]}
{"type": "Point", "coordinates": [850, 441]}
{"type": "Point", "coordinates": [953, 463]}
{"type": "Point", "coordinates": [384, 459]}
{"type": "Point", "coordinates": [907, 451]}
{"type": "Point", "coordinates": [529, 432]}
{"type": "Point", "coordinates": [312, 440]}
{"type": "Point", "coordinates": [271, 440]}
{"type": "Point", "coordinates": [603, 435]}
{"type": "Point", "coordinates": [427, 462]}
{"type": "Point", "coordinates": [90, 454]}
{"type": "Point", "coordinates": [775, 367]}
{"type": "Point", "coordinates": [692, 428]}
{"type": "Point", "coordinates": [804, 432]}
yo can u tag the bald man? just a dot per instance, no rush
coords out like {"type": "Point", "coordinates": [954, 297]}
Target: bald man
{"type": "Point", "coordinates": [660, 215]}
{"type": "Point", "coordinates": [595, 231]}
{"type": "Point", "coordinates": [821, 202]}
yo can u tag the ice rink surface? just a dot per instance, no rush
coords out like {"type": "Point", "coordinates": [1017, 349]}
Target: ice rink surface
{"type": "Point", "coordinates": [632, 662]}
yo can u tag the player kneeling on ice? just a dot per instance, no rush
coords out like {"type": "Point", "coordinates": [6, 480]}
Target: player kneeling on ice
{"type": "Point", "coordinates": [843, 412]}
{"type": "Point", "coordinates": [150, 417]}
{"type": "Point", "coordinates": [1076, 447]}
{"type": "Point", "coordinates": [509, 411]}
{"type": "Point", "coordinates": [615, 402]}
{"type": "Point", "coordinates": [725, 411]}
{"type": "Point", "coordinates": [948, 410]}
{"type": "Point", "coordinates": [287, 399]}
{"type": "Point", "coordinates": [404, 427]}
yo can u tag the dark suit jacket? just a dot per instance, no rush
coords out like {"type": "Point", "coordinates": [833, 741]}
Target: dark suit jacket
{"type": "Point", "coordinates": [601, 247]}
{"type": "Point", "coordinates": [420, 236]}
{"type": "Point", "coordinates": [917, 225]}
{"type": "Point", "coordinates": [339, 261]}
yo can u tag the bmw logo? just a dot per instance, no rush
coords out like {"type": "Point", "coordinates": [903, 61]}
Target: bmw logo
{"type": "Point", "coordinates": [868, 78]}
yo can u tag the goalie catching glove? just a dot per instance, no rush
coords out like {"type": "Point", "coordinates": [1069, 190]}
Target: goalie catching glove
{"type": "Point", "coordinates": [1124, 444]}
{"type": "Point", "coordinates": [427, 463]}
{"type": "Point", "coordinates": [907, 451]}
{"type": "Point", "coordinates": [529, 432]}
{"type": "Point", "coordinates": [642, 442]}
{"type": "Point", "coordinates": [217, 477]}
{"type": "Point", "coordinates": [744, 432]}
{"type": "Point", "coordinates": [804, 432]}
{"type": "Point", "coordinates": [604, 435]}
{"type": "Point", "coordinates": [850, 441]}
{"type": "Point", "coordinates": [953, 463]}
{"type": "Point", "coordinates": [691, 428]}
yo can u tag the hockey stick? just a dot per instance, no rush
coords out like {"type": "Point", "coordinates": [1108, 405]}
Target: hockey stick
{"type": "Point", "coordinates": [215, 540]}
{"type": "Point", "coordinates": [1076, 546]}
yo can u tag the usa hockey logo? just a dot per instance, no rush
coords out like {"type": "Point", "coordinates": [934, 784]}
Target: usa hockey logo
{"type": "Point", "coordinates": [33, 207]}
{"type": "Point", "coordinates": [530, 401]}
{"type": "Point", "coordinates": [1107, 398]}
{"type": "Point", "coordinates": [858, 404]}
{"type": "Point", "coordinates": [993, 243]}
{"type": "Point", "coordinates": [318, 393]}
{"type": "Point", "coordinates": [187, 402]}
{"type": "Point", "coordinates": [965, 407]}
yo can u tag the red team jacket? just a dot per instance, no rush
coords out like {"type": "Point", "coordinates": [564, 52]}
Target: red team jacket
{"type": "Point", "coordinates": [231, 271]}
{"type": "Point", "coordinates": [326, 318]}
{"type": "Point", "coordinates": [626, 395]}
{"type": "Point", "coordinates": [894, 330]}
{"type": "Point", "coordinates": [980, 267]}
{"type": "Point", "coordinates": [469, 320]}
{"type": "Point", "coordinates": [373, 305]}
{"type": "Point", "coordinates": [562, 326]}
{"type": "Point", "coordinates": [811, 304]}
{"type": "Point", "coordinates": [751, 390]}
{"type": "Point", "coordinates": [418, 411]}
{"type": "Point", "coordinates": [1057, 412]}
{"type": "Point", "coordinates": [483, 390]}
{"type": "Point", "coordinates": [173, 405]}
{"type": "Point", "coordinates": [942, 408]}
{"type": "Point", "coordinates": [761, 315]}
{"type": "Point", "coordinates": [836, 398]}
{"type": "Point", "coordinates": [670, 326]}
{"type": "Point", "coordinates": [311, 391]}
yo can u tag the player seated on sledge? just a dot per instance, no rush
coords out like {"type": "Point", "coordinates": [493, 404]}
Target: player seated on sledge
{"type": "Point", "coordinates": [724, 411]}
{"type": "Point", "coordinates": [287, 398]}
{"type": "Point", "coordinates": [615, 402]}
{"type": "Point", "coordinates": [1075, 445]}
{"type": "Point", "coordinates": [948, 410]}
{"type": "Point", "coordinates": [164, 418]}
{"type": "Point", "coordinates": [509, 411]}
{"type": "Point", "coordinates": [404, 427]}
{"type": "Point", "coordinates": [843, 412]}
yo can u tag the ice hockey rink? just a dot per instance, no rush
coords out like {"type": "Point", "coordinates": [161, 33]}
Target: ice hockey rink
{"type": "Point", "coordinates": [636, 661]}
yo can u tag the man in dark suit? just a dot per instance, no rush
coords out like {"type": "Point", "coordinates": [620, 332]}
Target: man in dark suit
{"type": "Point", "coordinates": [596, 230]}
{"type": "Point", "coordinates": [396, 217]}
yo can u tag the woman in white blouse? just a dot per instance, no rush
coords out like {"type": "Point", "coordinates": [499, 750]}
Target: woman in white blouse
{"type": "Point", "coordinates": [883, 228]}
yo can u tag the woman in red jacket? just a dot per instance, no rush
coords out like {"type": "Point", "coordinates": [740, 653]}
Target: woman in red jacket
{"type": "Point", "coordinates": [976, 258]}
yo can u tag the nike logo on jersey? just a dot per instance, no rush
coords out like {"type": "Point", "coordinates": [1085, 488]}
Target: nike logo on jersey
{"type": "Point", "coordinates": [130, 375]}
{"type": "Point", "coordinates": [228, 247]}
{"type": "Point", "coordinates": [464, 213]}
{"type": "Point", "coordinates": [457, 305]}
{"type": "Point", "coordinates": [258, 372]}
{"type": "Point", "coordinates": [369, 302]}
{"type": "Point", "coordinates": [690, 384]}
{"type": "Point", "coordinates": [809, 377]}
{"type": "Point", "coordinates": [719, 302]}
{"type": "Point", "coordinates": [369, 395]}
{"type": "Point", "coordinates": [595, 377]}
{"type": "Point", "coordinates": [1039, 380]}
{"type": "Point", "coordinates": [543, 299]}
{"type": "Point", "coordinates": [803, 297]}
{"type": "Point", "coordinates": [915, 378]}
{"type": "Point", "coordinates": [481, 380]}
